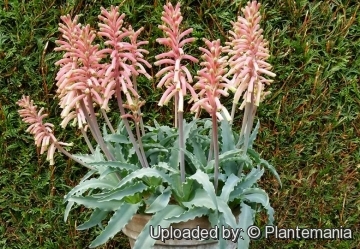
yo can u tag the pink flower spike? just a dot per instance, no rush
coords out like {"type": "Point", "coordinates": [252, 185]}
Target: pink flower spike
{"type": "Point", "coordinates": [43, 133]}
{"type": "Point", "coordinates": [177, 75]}
{"type": "Point", "coordinates": [211, 79]}
{"type": "Point", "coordinates": [248, 52]}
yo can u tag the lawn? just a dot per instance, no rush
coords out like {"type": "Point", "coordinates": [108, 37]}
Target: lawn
{"type": "Point", "coordinates": [309, 124]}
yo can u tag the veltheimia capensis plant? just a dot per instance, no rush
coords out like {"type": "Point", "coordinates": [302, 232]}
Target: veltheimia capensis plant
{"type": "Point", "coordinates": [197, 168]}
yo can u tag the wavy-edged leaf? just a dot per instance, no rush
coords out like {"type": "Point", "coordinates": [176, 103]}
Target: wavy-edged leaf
{"type": "Point", "coordinates": [227, 136]}
{"type": "Point", "coordinates": [250, 179]}
{"type": "Point", "coordinates": [160, 202]}
{"type": "Point", "coordinates": [229, 186]}
{"type": "Point", "coordinates": [117, 222]}
{"type": "Point", "coordinates": [221, 223]}
{"type": "Point", "coordinates": [153, 145]}
{"type": "Point", "coordinates": [182, 191]}
{"type": "Point", "coordinates": [201, 199]}
{"type": "Point", "coordinates": [91, 202]}
{"type": "Point", "coordinates": [193, 160]}
{"type": "Point", "coordinates": [91, 158]}
{"type": "Point", "coordinates": [272, 170]}
{"type": "Point", "coordinates": [120, 193]}
{"type": "Point", "coordinates": [270, 212]}
{"type": "Point", "coordinates": [115, 164]}
{"type": "Point", "coordinates": [199, 152]}
{"type": "Point", "coordinates": [166, 140]}
{"type": "Point", "coordinates": [226, 212]}
{"type": "Point", "coordinates": [204, 180]}
{"type": "Point", "coordinates": [165, 166]}
{"type": "Point", "coordinates": [87, 175]}
{"type": "Point", "coordinates": [254, 134]}
{"type": "Point", "coordinates": [158, 219]}
{"type": "Point", "coordinates": [96, 217]}
{"type": "Point", "coordinates": [246, 219]}
{"type": "Point", "coordinates": [155, 150]}
{"type": "Point", "coordinates": [93, 183]}
{"type": "Point", "coordinates": [190, 214]}
{"type": "Point", "coordinates": [117, 138]}
{"type": "Point", "coordinates": [235, 155]}
{"type": "Point", "coordinates": [144, 172]}
{"type": "Point", "coordinates": [256, 195]}
{"type": "Point", "coordinates": [267, 165]}
{"type": "Point", "coordinates": [174, 159]}
{"type": "Point", "coordinates": [69, 205]}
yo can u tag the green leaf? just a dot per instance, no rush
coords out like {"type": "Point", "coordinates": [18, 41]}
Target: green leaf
{"type": "Point", "coordinates": [250, 179]}
{"type": "Point", "coordinates": [267, 165]}
{"type": "Point", "coordinates": [199, 152]}
{"type": "Point", "coordinates": [189, 215]}
{"type": "Point", "coordinates": [221, 223]}
{"type": "Point", "coordinates": [204, 180]}
{"type": "Point", "coordinates": [227, 136]}
{"type": "Point", "coordinates": [155, 150]}
{"type": "Point", "coordinates": [201, 199]}
{"type": "Point", "coordinates": [144, 172]}
{"type": "Point", "coordinates": [229, 186]}
{"type": "Point", "coordinates": [254, 134]}
{"type": "Point", "coordinates": [87, 175]}
{"type": "Point", "coordinates": [117, 138]}
{"type": "Point", "coordinates": [182, 191]}
{"type": "Point", "coordinates": [174, 159]}
{"type": "Point", "coordinates": [232, 155]}
{"type": "Point", "coordinates": [69, 205]}
{"type": "Point", "coordinates": [96, 217]}
{"type": "Point", "coordinates": [117, 222]}
{"type": "Point", "coordinates": [270, 212]}
{"type": "Point", "coordinates": [91, 202]}
{"type": "Point", "coordinates": [256, 195]}
{"type": "Point", "coordinates": [246, 219]}
{"type": "Point", "coordinates": [165, 166]}
{"type": "Point", "coordinates": [159, 219]}
{"type": "Point", "coordinates": [272, 170]}
{"type": "Point", "coordinates": [193, 160]}
{"type": "Point", "coordinates": [120, 193]}
{"type": "Point", "coordinates": [160, 202]}
{"type": "Point", "coordinates": [91, 158]}
{"type": "Point", "coordinates": [90, 184]}
{"type": "Point", "coordinates": [226, 212]}
{"type": "Point", "coordinates": [153, 145]}
{"type": "Point", "coordinates": [115, 164]}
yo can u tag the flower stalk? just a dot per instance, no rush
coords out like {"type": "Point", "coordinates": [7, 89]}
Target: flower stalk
{"type": "Point", "coordinates": [212, 84]}
{"type": "Point", "coordinates": [248, 54]}
{"type": "Point", "coordinates": [176, 77]}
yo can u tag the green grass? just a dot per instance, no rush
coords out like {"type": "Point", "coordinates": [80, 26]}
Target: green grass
{"type": "Point", "coordinates": [309, 125]}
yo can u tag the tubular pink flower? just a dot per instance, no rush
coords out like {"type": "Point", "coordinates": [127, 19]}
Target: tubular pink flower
{"type": "Point", "coordinates": [176, 76]}
{"type": "Point", "coordinates": [248, 56]}
{"type": "Point", "coordinates": [80, 73]}
{"type": "Point", "coordinates": [43, 133]}
{"type": "Point", "coordinates": [211, 80]}
{"type": "Point", "coordinates": [138, 52]}
{"type": "Point", "coordinates": [127, 58]}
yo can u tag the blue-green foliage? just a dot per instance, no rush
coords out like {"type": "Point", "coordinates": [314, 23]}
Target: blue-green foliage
{"type": "Point", "coordinates": [150, 190]}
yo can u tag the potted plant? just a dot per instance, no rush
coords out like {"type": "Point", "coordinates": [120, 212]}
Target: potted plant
{"type": "Point", "coordinates": [196, 180]}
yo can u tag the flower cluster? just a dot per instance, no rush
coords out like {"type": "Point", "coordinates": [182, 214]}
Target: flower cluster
{"type": "Point", "coordinates": [211, 80]}
{"type": "Point", "coordinates": [43, 133]}
{"type": "Point", "coordinates": [79, 79]}
{"type": "Point", "coordinates": [177, 77]}
{"type": "Point", "coordinates": [248, 56]}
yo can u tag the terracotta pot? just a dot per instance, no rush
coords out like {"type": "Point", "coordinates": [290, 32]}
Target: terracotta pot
{"type": "Point", "coordinates": [135, 226]}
